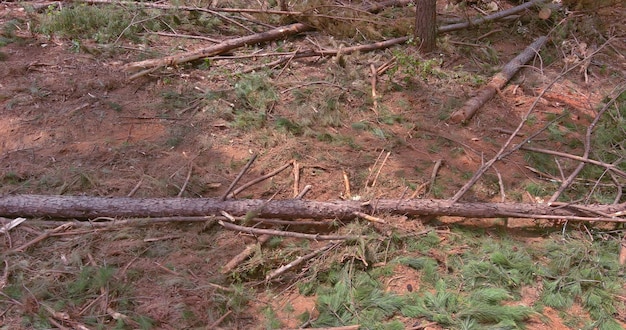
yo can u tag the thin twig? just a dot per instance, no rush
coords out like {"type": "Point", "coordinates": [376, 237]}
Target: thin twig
{"type": "Point", "coordinates": [433, 176]}
{"type": "Point", "coordinates": [501, 184]}
{"type": "Point", "coordinates": [374, 73]}
{"type": "Point", "coordinates": [182, 189]}
{"type": "Point", "coordinates": [346, 184]}
{"type": "Point", "coordinates": [261, 231]}
{"type": "Point", "coordinates": [241, 173]}
{"type": "Point", "coordinates": [296, 178]}
{"type": "Point", "coordinates": [135, 188]}
{"type": "Point", "coordinates": [243, 255]}
{"type": "Point", "coordinates": [275, 273]}
{"type": "Point", "coordinates": [566, 183]}
{"type": "Point", "coordinates": [259, 179]}
{"type": "Point", "coordinates": [43, 236]}
{"type": "Point", "coordinates": [187, 36]}
{"type": "Point", "coordinates": [380, 168]}
{"type": "Point", "coordinates": [304, 191]}
{"type": "Point", "coordinates": [368, 217]}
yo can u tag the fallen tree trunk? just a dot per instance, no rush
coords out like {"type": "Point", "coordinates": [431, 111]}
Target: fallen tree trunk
{"type": "Point", "coordinates": [84, 207]}
{"type": "Point", "coordinates": [220, 48]}
{"type": "Point", "coordinates": [499, 80]}
{"type": "Point", "coordinates": [148, 66]}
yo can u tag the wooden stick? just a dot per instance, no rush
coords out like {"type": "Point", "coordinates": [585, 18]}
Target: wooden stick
{"type": "Point", "coordinates": [380, 168]}
{"type": "Point", "coordinates": [275, 273]}
{"type": "Point", "coordinates": [374, 73]}
{"type": "Point", "coordinates": [346, 183]}
{"type": "Point", "coordinates": [243, 255]}
{"type": "Point", "coordinates": [497, 82]}
{"type": "Point", "coordinates": [296, 178]}
{"type": "Point", "coordinates": [567, 182]}
{"type": "Point", "coordinates": [241, 173]}
{"type": "Point", "coordinates": [182, 189]}
{"type": "Point", "coordinates": [273, 232]}
{"type": "Point", "coordinates": [259, 179]}
{"type": "Point", "coordinates": [433, 176]}
{"type": "Point", "coordinates": [43, 236]}
{"type": "Point", "coordinates": [610, 167]}
{"type": "Point", "coordinates": [369, 217]}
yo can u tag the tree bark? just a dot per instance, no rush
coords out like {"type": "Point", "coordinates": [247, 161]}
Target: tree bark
{"type": "Point", "coordinates": [84, 207]}
{"type": "Point", "coordinates": [426, 24]}
{"type": "Point", "coordinates": [497, 82]}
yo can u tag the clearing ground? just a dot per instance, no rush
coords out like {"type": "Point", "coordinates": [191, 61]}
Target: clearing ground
{"type": "Point", "coordinates": [72, 123]}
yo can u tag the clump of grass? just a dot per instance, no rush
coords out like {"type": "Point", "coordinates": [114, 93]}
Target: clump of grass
{"type": "Point", "coordinates": [581, 272]}
{"type": "Point", "coordinates": [352, 291]}
{"type": "Point", "coordinates": [257, 95]}
{"type": "Point", "coordinates": [319, 106]}
{"type": "Point", "coordinates": [100, 23]}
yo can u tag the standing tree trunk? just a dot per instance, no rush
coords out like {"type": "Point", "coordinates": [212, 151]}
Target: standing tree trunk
{"type": "Point", "coordinates": [426, 24]}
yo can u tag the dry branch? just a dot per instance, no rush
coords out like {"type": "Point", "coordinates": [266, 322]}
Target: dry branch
{"type": "Point", "coordinates": [493, 17]}
{"type": "Point", "coordinates": [500, 79]}
{"type": "Point", "coordinates": [85, 207]}
{"type": "Point", "coordinates": [217, 49]}
{"type": "Point", "coordinates": [151, 65]}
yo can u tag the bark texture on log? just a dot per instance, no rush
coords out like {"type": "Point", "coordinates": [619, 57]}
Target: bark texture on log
{"type": "Point", "coordinates": [84, 207]}
{"type": "Point", "coordinates": [426, 24]}
{"type": "Point", "coordinates": [223, 47]}
{"type": "Point", "coordinates": [498, 81]}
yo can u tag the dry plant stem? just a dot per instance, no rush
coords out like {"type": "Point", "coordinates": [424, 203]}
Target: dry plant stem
{"type": "Point", "coordinates": [43, 236]}
{"type": "Point", "coordinates": [369, 175]}
{"type": "Point", "coordinates": [566, 183]}
{"type": "Point", "coordinates": [261, 231]}
{"type": "Point", "coordinates": [305, 190]}
{"type": "Point", "coordinates": [182, 189]}
{"type": "Point", "coordinates": [374, 73]}
{"type": "Point", "coordinates": [618, 186]}
{"type": "Point", "coordinates": [135, 188]}
{"type": "Point", "coordinates": [433, 176]}
{"type": "Point", "coordinates": [369, 217]}
{"type": "Point", "coordinates": [5, 275]}
{"type": "Point", "coordinates": [380, 168]}
{"type": "Point", "coordinates": [296, 178]}
{"type": "Point", "coordinates": [241, 173]}
{"type": "Point", "coordinates": [503, 152]}
{"type": "Point", "coordinates": [277, 272]}
{"type": "Point", "coordinates": [346, 183]}
{"type": "Point", "coordinates": [243, 255]}
{"type": "Point", "coordinates": [187, 36]}
{"type": "Point", "coordinates": [495, 16]}
{"type": "Point", "coordinates": [259, 179]}
{"type": "Point", "coordinates": [497, 82]}
{"type": "Point", "coordinates": [501, 184]}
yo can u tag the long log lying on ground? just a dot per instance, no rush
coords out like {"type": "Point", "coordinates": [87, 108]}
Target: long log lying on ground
{"type": "Point", "coordinates": [84, 207]}
{"type": "Point", "coordinates": [150, 65]}
{"type": "Point", "coordinates": [497, 82]}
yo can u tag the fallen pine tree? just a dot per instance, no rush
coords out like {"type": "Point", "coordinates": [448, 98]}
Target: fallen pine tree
{"type": "Point", "coordinates": [85, 207]}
